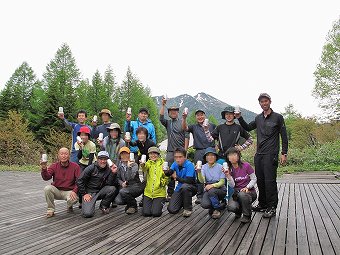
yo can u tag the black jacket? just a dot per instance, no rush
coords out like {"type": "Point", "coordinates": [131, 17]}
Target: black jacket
{"type": "Point", "coordinates": [94, 178]}
{"type": "Point", "coordinates": [268, 132]}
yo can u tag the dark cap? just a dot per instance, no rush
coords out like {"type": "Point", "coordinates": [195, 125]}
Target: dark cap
{"type": "Point", "coordinates": [199, 110]}
{"type": "Point", "coordinates": [173, 108]}
{"type": "Point", "coordinates": [264, 95]}
{"type": "Point", "coordinates": [144, 109]}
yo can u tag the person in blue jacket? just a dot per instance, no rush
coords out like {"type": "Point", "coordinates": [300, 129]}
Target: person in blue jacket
{"type": "Point", "coordinates": [182, 171]}
{"type": "Point", "coordinates": [132, 125]}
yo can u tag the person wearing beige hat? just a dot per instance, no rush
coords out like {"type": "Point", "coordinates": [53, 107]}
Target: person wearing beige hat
{"type": "Point", "coordinates": [106, 116]}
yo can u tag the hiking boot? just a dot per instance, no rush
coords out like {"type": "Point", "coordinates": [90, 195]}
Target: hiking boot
{"type": "Point", "coordinates": [49, 214]}
{"type": "Point", "coordinates": [113, 205]}
{"type": "Point", "coordinates": [211, 211]}
{"type": "Point", "coordinates": [270, 212]}
{"type": "Point", "coordinates": [216, 214]}
{"type": "Point", "coordinates": [105, 210]}
{"type": "Point", "coordinates": [186, 213]}
{"type": "Point", "coordinates": [131, 210]}
{"type": "Point", "coordinates": [70, 209]}
{"type": "Point", "coordinates": [245, 219]}
{"type": "Point", "coordinates": [259, 208]}
{"type": "Point", "coordinates": [167, 199]}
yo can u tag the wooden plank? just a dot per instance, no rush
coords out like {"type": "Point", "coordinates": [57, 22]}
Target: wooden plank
{"type": "Point", "coordinates": [326, 217]}
{"type": "Point", "coordinates": [323, 236]}
{"type": "Point", "coordinates": [291, 243]}
{"type": "Point", "coordinates": [313, 241]}
{"type": "Point", "coordinates": [302, 241]}
{"type": "Point", "coordinates": [269, 241]}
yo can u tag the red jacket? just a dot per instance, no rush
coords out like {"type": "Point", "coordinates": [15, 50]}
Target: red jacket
{"type": "Point", "coordinates": [64, 178]}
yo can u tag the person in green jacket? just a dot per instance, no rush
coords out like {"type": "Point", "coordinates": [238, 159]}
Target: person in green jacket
{"type": "Point", "coordinates": [156, 182]}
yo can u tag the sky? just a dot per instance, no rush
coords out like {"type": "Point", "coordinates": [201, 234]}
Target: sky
{"type": "Point", "coordinates": [232, 50]}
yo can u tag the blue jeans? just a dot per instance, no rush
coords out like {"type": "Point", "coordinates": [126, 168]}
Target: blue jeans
{"type": "Point", "coordinates": [74, 157]}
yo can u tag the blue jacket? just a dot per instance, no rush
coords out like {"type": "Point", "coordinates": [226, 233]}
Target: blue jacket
{"type": "Point", "coordinates": [131, 126]}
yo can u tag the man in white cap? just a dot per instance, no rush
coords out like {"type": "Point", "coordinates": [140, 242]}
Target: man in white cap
{"type": "Point", "coordinates": [98, 182]}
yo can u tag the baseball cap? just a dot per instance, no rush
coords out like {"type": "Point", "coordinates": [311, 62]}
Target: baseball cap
{"type": "Point", "coordinates": [103, 154]}
{"type": "Point", "coordinates": [199, 110]}
{"type": "Point", "coordinates": [144, 109]}
{"type": "Point", "coordinates": [264, 95]}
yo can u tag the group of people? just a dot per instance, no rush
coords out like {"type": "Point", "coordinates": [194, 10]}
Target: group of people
{"type": "Point", "coordinates": [217, 176]}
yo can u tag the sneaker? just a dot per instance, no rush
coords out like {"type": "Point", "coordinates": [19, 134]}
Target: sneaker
{"type": "Point", "coordinates": [270, 212]}
{"type": "Point", "coordinates": [186, 213]}
{"type": "Point", "coordinates": [105, 210]}
{"type": "Point", "coordinates": [131, 210]}
{"type": "Point", "coordinates": [49, 214]}
{"type": "Point", "coordinates": [70, 209]}
{"type": "Point", "coordinates": [216, 214]}
{"type": "Point", "coordinates": [245, 219]}
{"type": "Point", "coordinates": [259, 208]}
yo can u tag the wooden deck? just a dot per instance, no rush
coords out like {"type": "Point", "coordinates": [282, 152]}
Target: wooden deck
{"type": "Point", "coordinates": [307, 222]}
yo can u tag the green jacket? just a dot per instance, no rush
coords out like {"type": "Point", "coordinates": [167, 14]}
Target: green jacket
{"type": "Point", "coordinates": [156, 180]}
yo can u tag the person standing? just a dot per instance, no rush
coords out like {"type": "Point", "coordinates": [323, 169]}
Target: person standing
{"type": "Point", "coordinates": [81, 117]}
{"type": "Point", "coordinates": [228, 134]}
{"type": "Point", "coordinates": [201, 142]}
{"type": "Point", "coordinates": [132, 125]}
{"type": "Point", "coordinates": [177, 137]}
{"type": "Point", "coordinates": [269, 127]}
{"type": "Point", "coordinates": [106, 116]}
{"type": "Point", "coordinates": [63, 187]}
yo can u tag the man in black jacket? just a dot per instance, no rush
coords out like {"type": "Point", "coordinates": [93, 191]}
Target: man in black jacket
{"type": "Point", "coordinates": [269, 127]}
{"type": "Point", "coordinates": [97, 182]}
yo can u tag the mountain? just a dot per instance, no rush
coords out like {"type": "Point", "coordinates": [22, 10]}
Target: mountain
{"type": "Point", "coordinates": [209, 104]}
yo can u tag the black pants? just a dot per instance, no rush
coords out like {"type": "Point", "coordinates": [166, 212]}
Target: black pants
{"type": "Point", "coordinates": [211, 198]}
{"type": "Point", "coordinates": [82, 167]}
{"type": "Point", "coordinates": [128, 195]}
{"type": "Point", "coordinates": [241, 202]}
{"type": "Point", "coordinates": [153, 206]}
{"type": "Point", "coordinates": [105, 194]}
{"type": "Point", "coordinates": [266, 173]}
{"type": "Point", "coordinates": [182, 198]}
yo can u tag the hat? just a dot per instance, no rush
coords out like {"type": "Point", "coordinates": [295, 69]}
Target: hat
{"type": "Point", "coordinates": [173, 108]}
{"type": "Point", "coordinates": [144, 109]}
{"type": "Point", "coordinates": [124, 149]}
{"type": "Point", "coordinates": [107, 111]}
{"type": "Point", "coordinates": [199, 110]}
{"type": "Point", "coordinates": [210, 150]}
{"type": "Point", "coordinates": [85, 130]}
{"type": "Point", "coordinates": [264, 95]}
{"type": "Point", "coordinates": [229, 108]}
{"type": "Point", "coordinates": [103, 154]}
{"type": "Point", "coordinates": [154, 149]}
{"type": "Point", "coordinates": [113, 126]}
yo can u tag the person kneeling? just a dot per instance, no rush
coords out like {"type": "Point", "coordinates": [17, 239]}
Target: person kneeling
{"type": "Point", "coordinates": [242, 177]}
{"type": "Point", "coordinates": [213, 178]}
{"type": "Point", "coordinates": [129, 181]}
{"type": "Point", "coordinates": [156, 181]}
{"type": "Point", "coordinates": [183, 171]}
{"type": "Point", "coordinates": [97, 182]}
{"type": "Point", "coordinates": [63, 187]}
